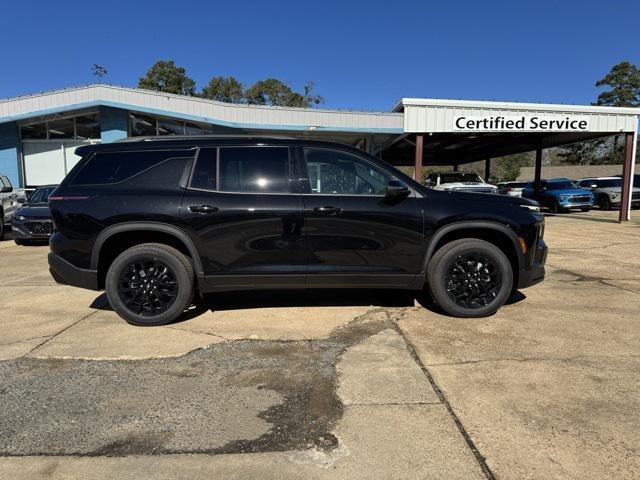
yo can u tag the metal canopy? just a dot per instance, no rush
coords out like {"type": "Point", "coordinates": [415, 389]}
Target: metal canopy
{"type": "Point", "coordinates": [460, 148]}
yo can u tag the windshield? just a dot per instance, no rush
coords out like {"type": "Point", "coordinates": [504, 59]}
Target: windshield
{"type": "Point", "coordinates": [41, 195]}
{"type": "Point", "coordinates": [565, 185]}
{"type": "Point", "coordinates": [459, 177]}
{"type": "Point", "coordinates": [612, 182]}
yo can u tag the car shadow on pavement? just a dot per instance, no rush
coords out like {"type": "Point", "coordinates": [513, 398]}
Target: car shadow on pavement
{"type": "Point", "coordinates": [242, 300]}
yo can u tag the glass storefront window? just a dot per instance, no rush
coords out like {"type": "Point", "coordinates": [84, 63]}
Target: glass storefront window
{"type": "Point", "coordinates": [170, 127]}
{"type": "Point", "coordinates": [196, 129]}
{"type": "Point", "coordinates": [143, 125]}
{"type": "Point", "coordinates": [88, 127]}
{"type": "Point", "coordinates": [35, 130]}
{"type": "Point", "coordinates": [63, 128]}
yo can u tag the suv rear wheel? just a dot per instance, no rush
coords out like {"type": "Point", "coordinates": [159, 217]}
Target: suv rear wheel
{"type": "Point", "coordinates": [150, 284]}
{"type": "Point", "coordinates": [604, 202]}
{"type": "Point", "coordinates": [470, 278]}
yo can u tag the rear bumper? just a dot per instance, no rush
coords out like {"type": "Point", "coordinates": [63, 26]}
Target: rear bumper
{"type": "Point", "coordinates": [534, 274]}
{"type": "Point", "coordinates": [68, 274]}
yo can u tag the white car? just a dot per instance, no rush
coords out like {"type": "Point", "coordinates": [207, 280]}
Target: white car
{"type": "Point", "coordinates": [10, 199]}
{"type": "Point", "coordinates": [513, 189]}
{"type": "Point", "coordinates": [459, 182]}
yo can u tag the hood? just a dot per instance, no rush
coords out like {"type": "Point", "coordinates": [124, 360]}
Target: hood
{"type": "Point", "coordinates": [570, 191]}
{"type": "Point", "coordinates": [34, 210]}
{"type": "Point", "coordinates": [489, 198]}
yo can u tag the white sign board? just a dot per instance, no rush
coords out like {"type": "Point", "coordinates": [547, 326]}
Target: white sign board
{"type": "Point", "coordinates": [521, 123]}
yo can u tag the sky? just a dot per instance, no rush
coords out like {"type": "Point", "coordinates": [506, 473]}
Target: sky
{"type": "Point", "coordinates": [361, 55]}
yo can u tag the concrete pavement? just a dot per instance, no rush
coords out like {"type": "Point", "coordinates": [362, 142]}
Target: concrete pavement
{"type": "Point", "coordinates": [333, 385]}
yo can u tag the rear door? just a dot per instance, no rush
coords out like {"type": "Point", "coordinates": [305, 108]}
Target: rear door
{"type": "Point", "coordinates": [241, 208]}
{"type": "Point", "coordinates": [354, 235]}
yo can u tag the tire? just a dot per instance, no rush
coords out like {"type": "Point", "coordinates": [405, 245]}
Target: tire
{"type": "Point", "coordinates": [19, 242]}
{"type": "Point", "coordinates": [585, 209]}
{"type": "Point", "coordinates": [604, 202]}
{"type": "Point", "coordinates": [444, 266]}
{"type": "Point", "coordinates": [1, 225]}
{"type": "Point", "coordinates": [150, 284]}
{"type": "Point", "coordinates": [554, 207]}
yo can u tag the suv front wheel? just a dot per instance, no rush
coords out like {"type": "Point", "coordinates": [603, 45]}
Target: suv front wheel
{"type": "Point", "coordinates": [470, 278]}
{"type": "Point", "coordinates": [150, 284]}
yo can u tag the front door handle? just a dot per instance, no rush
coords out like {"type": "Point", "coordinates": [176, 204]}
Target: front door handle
{"type": "Point", "coordinates": [327, 210]}
{"type": "Point", "coordinates": [203, 209]}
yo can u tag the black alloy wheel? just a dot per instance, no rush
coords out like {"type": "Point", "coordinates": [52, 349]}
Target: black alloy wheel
{"type": "Point", "coordinates": [470, 278]}
{"type": "Point", "coordinates": [148, 287]}
{"type": "Point", "coordinates": [473, 280]}
{"type": "Point", "coordinates": [150, 284]}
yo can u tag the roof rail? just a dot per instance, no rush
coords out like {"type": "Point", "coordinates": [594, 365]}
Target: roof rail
{"type": "Point", "coordinates": [197, 137]}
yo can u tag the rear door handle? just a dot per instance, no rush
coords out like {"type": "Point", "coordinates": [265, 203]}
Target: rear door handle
{"type": "Point", "coordinates": [203, 209]}
{"type": "Point", "coordinates": [327, 210]}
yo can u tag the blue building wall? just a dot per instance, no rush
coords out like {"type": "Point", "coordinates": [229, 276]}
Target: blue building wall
{"type": "Point", "coordinates": [114, 124]}
{"type": "Point", "coordinates": [10, 152]}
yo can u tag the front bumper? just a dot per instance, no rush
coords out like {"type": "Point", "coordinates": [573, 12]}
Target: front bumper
{"type": "Point", "coordinates": [535, 273]}
{"type": "Point", "coordinates": [31, 229]}
{"type": "Point", "coordinates": [68, 274]}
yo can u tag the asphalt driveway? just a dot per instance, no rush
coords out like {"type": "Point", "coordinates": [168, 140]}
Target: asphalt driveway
{"type": "Point", "coordinates": [331, 384]}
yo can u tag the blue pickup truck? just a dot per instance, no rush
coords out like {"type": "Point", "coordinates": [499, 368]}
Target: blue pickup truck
{"type": "Point", "coordinates": [560, 195]}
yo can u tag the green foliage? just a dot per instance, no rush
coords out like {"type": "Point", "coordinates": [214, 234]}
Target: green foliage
{"type": "Point", "coordinates": [593, 152]}
{"type": "Point", "coordinates": [165, 76]}
{"type": "Point", "coordinates": [272, 91]}
{"type": "Point", "coordinates": [624, 83]}
{"type": "Point", "coordinates": [224, 89]}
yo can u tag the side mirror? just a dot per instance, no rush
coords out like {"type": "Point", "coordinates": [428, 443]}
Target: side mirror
{"type": "Point", "coordinates": [593, 185]}
{"type": "Point", "coordinates": [6, 190]}
{"type": "Point", "coordinates": [21, 199]}
{"type": "Point", "coordinates": [397, 190]}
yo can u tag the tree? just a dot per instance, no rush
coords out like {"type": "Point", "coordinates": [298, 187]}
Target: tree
{"type": "Point", "coordinates": [165, 76]}
{"type": "Point", "coordinates": [272, 91]}
{"type": "Point", "coordinates": [624, 83]}
{"type": "Point", "coordinates": [224, 89]}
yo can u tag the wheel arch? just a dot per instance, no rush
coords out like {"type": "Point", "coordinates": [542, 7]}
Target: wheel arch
{"type": "Point", "coordinates": [115, 239]}
{"type": "Point", "coordinates": [494, 232]}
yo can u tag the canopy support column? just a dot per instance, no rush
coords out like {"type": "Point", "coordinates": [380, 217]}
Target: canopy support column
{"type": "Point", "coordinates": [627, 175]}
{"type": "Point", "coordinates": [487, 169]}
{"type": "Point", "coordinates": [417, 175]}
{"type": "Point", "coordinates": [538, 170]}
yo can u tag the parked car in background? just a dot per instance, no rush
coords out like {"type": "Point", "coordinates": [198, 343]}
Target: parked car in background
{"type": "Point", "coordinates": [513, 189]}
{"type": "Point", "coordinates": [156, 221]}
{"type": "Point", "coordinates": [32, 221]}
{"type": "Point", "coordinates": [608, 191]}
{"type": "Point", "coordinates": [10, 199]}
{"type": "Point", "coordinates": [459, 182]}
{"type": "Point", "coordinates": [560, 195]}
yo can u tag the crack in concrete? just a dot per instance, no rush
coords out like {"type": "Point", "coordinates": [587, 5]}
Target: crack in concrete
{"type": "Point", "coordinates": [533, 359]}
{"type": "Point", "coordinates": [58, 333]}
{"type": "Point", "coordinates": [480, 459]}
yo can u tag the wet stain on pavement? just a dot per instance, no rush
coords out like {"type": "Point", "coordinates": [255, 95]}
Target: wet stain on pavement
{"type": "Point", "coordinates": [234, 397]}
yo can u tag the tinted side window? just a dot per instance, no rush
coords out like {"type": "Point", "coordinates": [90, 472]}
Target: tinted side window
{"type": "Point", "coordinates": [114, 167]}
{"type": "Point", "coordinates": [337, 172]}
{"type": "Point", "coordinates": [254, 169]}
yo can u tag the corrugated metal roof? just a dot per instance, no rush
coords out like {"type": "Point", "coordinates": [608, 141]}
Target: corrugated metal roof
{"type": "Point", "coordinates": [199, 110]}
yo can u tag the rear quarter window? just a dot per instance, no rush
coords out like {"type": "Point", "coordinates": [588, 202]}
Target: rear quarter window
{"type": "Point", "coordinates": [114, 167]}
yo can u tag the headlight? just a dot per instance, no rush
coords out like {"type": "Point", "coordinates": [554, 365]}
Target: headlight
{"type": "Point", "coordinates": [564, 198]}
{"type": "Point", "coordinates": [615, 194]}
{"type": "Point", "coordinates": [531, 208]}
{"type": "Point", "coordinates": [21, 217]}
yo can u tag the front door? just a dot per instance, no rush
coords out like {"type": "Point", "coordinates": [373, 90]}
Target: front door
{"type": "Point", "coordinates": [354, 235]}
{"type": "Point", "coordinates": [248, 224]}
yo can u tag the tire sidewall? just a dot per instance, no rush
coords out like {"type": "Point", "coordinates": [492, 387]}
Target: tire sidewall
{"type": "Point", "coordinates": [184, 280]}
{"type": "Point", "coordinates": [437, 279]}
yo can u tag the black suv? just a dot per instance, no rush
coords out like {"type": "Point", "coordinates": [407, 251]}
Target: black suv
{"type": "Point", "coordinates": [156, 221]}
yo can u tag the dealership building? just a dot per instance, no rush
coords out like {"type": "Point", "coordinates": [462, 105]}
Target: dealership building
{"type": "Point", "coordinates": [39, 133]}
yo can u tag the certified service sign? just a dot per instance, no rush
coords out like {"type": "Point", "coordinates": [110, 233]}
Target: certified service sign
{"type": "Point", "coordinates": [522, 123]}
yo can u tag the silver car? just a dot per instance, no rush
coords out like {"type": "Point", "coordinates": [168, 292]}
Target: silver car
{"type": "Point", "coordinates": [608, 191]}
